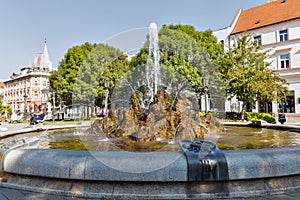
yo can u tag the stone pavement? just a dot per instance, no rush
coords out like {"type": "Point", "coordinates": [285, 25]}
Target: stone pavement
{"type": "Point", "coordinates": [13, 194]}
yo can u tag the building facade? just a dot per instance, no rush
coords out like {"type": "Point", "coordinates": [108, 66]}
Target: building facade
{"type": "Point", "coordinates": [1, 90]}
{"type": "Point", "coordinates": [276, 28]}
{"type": "Point", "coordinates": [28, 90]}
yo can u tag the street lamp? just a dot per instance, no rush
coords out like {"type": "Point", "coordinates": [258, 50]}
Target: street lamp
{"type": "Point", "coordinates": [53, 100]}
{"type": "Point", "coordinates": [106, 86]}
{"type": "Point", "coordinates": [203, 92]}
{"type": "Point", "coordinates": [205, 97]}
{"type": "Point", "coordinates": [25, 105]}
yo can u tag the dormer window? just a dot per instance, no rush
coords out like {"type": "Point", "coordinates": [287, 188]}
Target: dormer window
{"type": "Point", "coordinates": [283, 35]}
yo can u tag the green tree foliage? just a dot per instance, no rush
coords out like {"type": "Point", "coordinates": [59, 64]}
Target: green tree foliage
{"type": "Point", "coordinates": [115, 71]}
{"type": "Point", "coordinates": [186, 51]}
{"type": "Point", "coordinates": [184, 55]}
{"type": "Point", "coordinates": [206, 39]}
{"type": "Point", "coordinates": [183, 50]}
{"type": "Point", "coordinates": [247, 75]}
{"type": "Point", "coordinates": [104, 61]}
{"type": "Point", "coordinates": [192, 55]}
{"type": "Point", "coordinates": [62, 80]}
{"type": "Point", "coordinates": [4, 108]}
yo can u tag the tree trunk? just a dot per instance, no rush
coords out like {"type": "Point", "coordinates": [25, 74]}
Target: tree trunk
{"type": "Point", "coordinates": [244, 110]}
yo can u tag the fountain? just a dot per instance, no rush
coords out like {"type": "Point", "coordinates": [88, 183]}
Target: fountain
{"type": "Point", "coordinates": [154, 105]}
{"type": "Point", "coordinates": [153, 68]}
{"type": "Point", "coordinates": [154, 108]}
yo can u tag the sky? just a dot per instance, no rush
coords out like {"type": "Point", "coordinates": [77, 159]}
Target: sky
{"type": "Point", "coordinates": [25, 24]}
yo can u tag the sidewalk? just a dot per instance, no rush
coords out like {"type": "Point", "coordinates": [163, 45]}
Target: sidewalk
{"type": "Point", "coordinates": [12, 126]}
{"type": "Point", "coordinates": [292, 119]}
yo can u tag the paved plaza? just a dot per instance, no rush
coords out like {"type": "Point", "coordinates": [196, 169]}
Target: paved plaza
{"type": "Point", "coordinates": [10, 194]}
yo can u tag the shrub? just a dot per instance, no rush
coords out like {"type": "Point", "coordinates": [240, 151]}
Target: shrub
{"type": "Point", "coordinates": [260, 116]}
{"type": "Point", "coordinates": [268, 118]}
{"type": "Point", "coordinates": [202, 113]}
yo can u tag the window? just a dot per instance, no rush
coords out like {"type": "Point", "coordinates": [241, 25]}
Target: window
{"type": "Point", "coordinates": [285, 61]}
{"type": "Point", "coordinates": [257, 39]}
{"type": "Point", "coordinates": [283, 35]}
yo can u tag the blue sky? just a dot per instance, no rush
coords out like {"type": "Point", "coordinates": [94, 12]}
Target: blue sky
{"type": "Point", "coordinates": [66, 23]}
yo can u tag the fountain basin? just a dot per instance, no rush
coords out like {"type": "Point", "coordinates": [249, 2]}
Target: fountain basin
{"type": "Point", "coordinates": [81, 174]}
{"type": "Point", "coordinates": [242, 164]}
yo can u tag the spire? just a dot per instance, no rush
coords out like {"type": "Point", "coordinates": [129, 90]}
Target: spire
{"type": "Point", "coordinates": [42, 61]}
{"type": "Point", "coordinates": [45, 53]}
{"type": "Point", "coordinates": [46, 61]}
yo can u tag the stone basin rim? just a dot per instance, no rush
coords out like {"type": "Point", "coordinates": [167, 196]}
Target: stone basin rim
{"type": "Point", "coordinates": [265, 163]}
{"type": "Point", "coordinates": [251, 173]}
{"type": "Point", "coordinates": [114, 166]}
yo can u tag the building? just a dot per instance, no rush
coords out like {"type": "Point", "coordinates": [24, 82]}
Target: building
{"type": "Point", "coordinates": [276, 27]}
{"type": "Point", "coordinates": [27, 90]}
{"type": "Point", "coordinates": [1, 90]}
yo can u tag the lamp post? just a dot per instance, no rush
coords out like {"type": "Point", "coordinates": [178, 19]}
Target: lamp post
{"type": "Point", "coordinates": [25, 105]}
{"type": "Point", "coordinates": [106, 86]}
{"type": "Point", "coordinates": [205, 98]}
{"type": "Point", "coordinates": [203, 92]}
{"type": "Point", "coordinates": [53, 101]}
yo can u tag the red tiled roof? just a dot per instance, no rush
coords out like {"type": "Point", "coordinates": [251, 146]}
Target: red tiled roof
{"type": "Point", "coordinates": [267, 14]}
{"type": "Point", "coordinates": [1, 84]}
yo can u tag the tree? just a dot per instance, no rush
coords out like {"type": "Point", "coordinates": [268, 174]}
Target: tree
{"type": "Point", "coordinates": [189, 53]}
{"type": "Point", "coordinates": [185, 50]}
{"type": "Point", "coordinates": [247, 75]}
{"type": "Point", "coordinates": [62, 80]}
{"type": "Point", "coordinates": [115, 71]}
{"type": "Point", "coordinates": [83, 69]}
{"type": "Point", "coordinates": [103, 61]}
{"type": "Point", "coordinates": [4, 108]}
{"type": "Point", "coordinates": [206, 39]}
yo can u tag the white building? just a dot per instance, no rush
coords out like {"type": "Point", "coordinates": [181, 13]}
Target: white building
{"type": "Point", "coordinates": [276, 27]}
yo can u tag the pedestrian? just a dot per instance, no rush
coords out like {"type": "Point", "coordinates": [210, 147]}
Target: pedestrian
{"type": "Point", "coordinates": [39, 117]}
